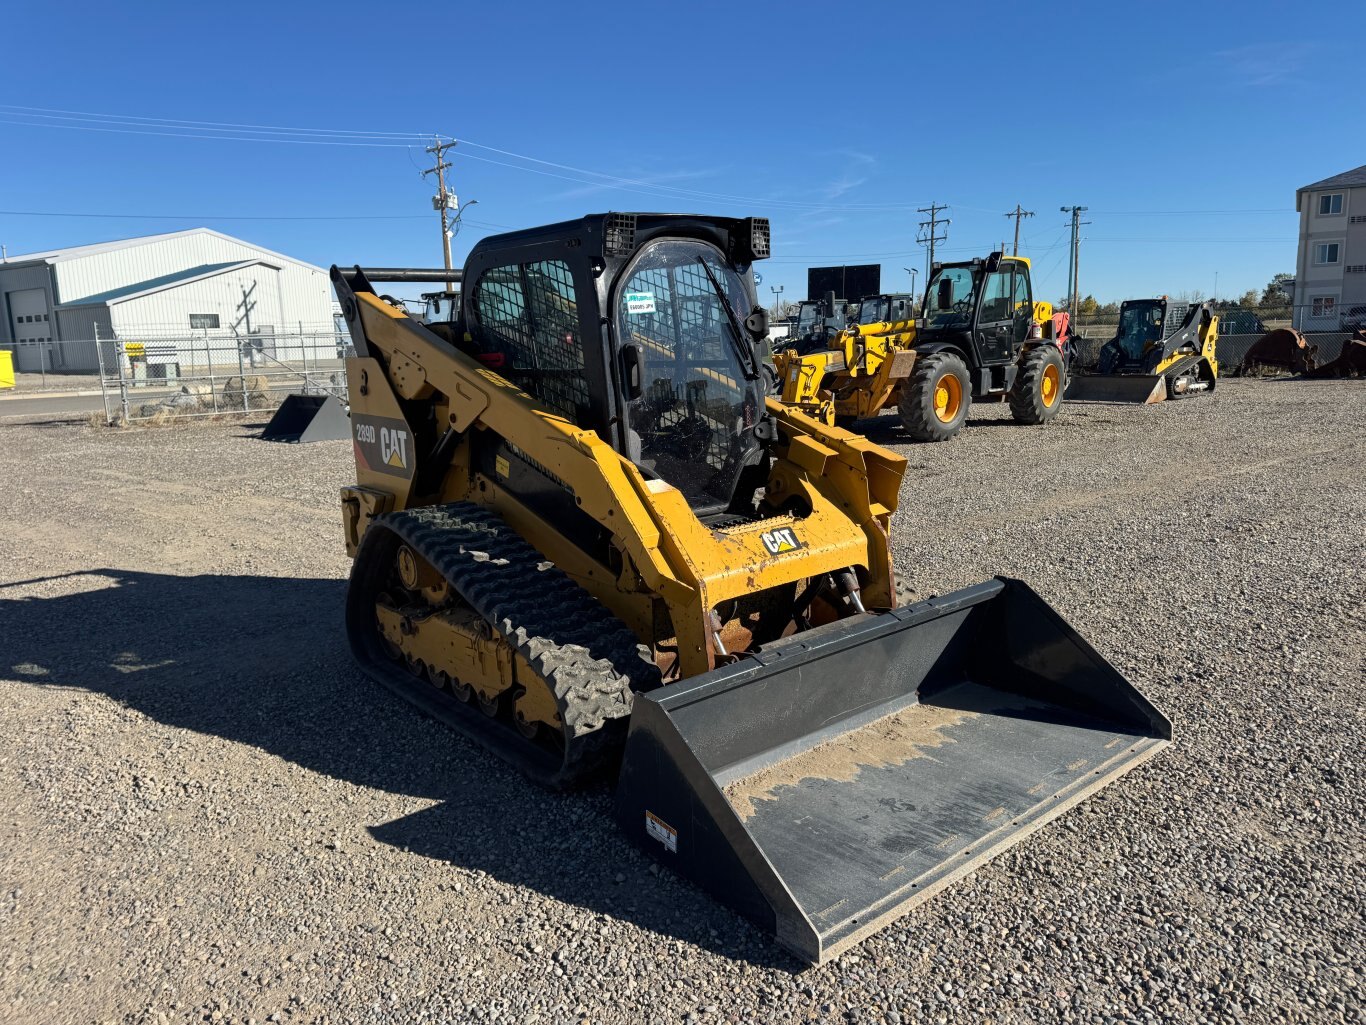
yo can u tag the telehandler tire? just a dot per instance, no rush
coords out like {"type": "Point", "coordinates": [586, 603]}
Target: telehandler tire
{"type": "Point", "coordinates": [1037, 395]}
{"type": "Point", "coordinates": [935, 398]}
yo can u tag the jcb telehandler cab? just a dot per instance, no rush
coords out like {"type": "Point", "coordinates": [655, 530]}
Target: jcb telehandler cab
{"type": "Point", "coordinates": [586, 538]}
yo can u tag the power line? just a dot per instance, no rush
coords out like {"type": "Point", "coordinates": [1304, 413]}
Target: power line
{"type": "Point", "coordinates": [242, 217]}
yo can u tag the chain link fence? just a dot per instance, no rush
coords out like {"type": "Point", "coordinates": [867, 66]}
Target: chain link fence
{"type": "Point", "coordinates": [1239, 328]}
{"type": "Point", "coordinates": [158, 374]}
{"type": "Point", "coordinates": [152, 376]}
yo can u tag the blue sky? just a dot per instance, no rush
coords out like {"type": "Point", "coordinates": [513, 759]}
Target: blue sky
{"type": "Point", "coordinates": [1185, 128]}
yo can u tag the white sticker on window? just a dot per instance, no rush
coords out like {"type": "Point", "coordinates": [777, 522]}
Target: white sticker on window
{"type": "Point", "coordinates": [640, 302]}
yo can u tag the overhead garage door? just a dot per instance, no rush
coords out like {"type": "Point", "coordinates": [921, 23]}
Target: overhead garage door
{"type": "Point", "coordinates": [30, 327]}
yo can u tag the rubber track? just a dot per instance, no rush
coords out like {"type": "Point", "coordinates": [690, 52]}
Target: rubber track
{"type": "Point", "coordinates": [592, 662]}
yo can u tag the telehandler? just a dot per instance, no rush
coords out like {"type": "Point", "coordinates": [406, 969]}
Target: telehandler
{"type": "Point", "coordinates": [1162, 350]}
{"type": "Point", "coordinates": [981, 337]}
{"type": "Point", "coordinates": [585, 537]}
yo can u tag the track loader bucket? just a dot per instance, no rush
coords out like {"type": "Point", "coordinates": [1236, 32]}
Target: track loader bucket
{"type": "Point", "coordinates": [831, 783]}
{"type": "Point", "coordinates": [1145, 388]}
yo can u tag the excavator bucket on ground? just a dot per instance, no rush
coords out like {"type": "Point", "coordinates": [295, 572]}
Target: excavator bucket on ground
{"type": "Point", "coordinates": [830, 783]}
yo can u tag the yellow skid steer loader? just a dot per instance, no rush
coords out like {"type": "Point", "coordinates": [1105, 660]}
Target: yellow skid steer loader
{"type": "Point", "coordinates": [585, 538]}
{"type": "Point", "coordinates": [1163, 350]}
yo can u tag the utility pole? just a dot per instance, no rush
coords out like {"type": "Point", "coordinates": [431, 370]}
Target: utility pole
{"type": "Point", "coordinates": [1018, 213]}
{"type": "Point", "coordinates": [777, 290]}
{"type": "Point", "coordinates": [929, 235]}
{"type": "Point", "coordinates": [1076, 212]}
{"type": "Point", "coordinates": [443, 200]}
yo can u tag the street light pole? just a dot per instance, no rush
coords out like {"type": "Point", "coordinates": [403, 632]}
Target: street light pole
{"type": "Point", "coordinates": [777, 290]}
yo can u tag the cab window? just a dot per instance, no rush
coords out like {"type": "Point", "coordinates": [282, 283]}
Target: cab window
{"type": "Point", "coordinates": [528, 316]}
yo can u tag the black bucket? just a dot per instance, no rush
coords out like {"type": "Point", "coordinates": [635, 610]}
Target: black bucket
{"type": "Point", "coordinates": [829, 784]}
{"type": "Point", "coordinates": [305, 418]}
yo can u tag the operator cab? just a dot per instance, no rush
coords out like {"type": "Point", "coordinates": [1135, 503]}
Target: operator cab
{"type": "Point", "coordinates": [982, 307]}
{"type": "Point", "coordinates": [886, 309]}
{"type": "Point", "coordinates": [644, 328]}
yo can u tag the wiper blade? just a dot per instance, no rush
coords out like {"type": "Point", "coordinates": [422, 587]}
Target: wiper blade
{"type": "Point", "coordinates": [745, 355]}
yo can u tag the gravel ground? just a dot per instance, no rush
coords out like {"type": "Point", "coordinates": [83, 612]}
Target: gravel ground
{"type": "Point", "coordinates": [206, 813]}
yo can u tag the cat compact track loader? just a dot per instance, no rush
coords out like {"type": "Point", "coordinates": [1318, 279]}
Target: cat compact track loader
{"type": "Point", "coordinates": [1162, 350]}
{"type": "Point", "coordinates": [586, 538]}
{"type": "Point", "coordinates": [981, 337]}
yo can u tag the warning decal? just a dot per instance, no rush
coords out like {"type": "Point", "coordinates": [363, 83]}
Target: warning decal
{"type": "Point", "coordinates": [661, 831]}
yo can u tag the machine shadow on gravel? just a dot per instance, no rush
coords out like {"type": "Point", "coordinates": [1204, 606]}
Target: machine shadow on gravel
{"type": "Point", "coordinates": [263, 661]}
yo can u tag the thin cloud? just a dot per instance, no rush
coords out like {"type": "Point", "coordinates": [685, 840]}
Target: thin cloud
{"type": "Point", "coordinates": [668, 178]}
{"type": "Point", "coordinates": [1263, 64]}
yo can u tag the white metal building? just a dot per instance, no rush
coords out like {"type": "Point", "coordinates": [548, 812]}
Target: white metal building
{"type": "Point", "coordinates": [197, 282]}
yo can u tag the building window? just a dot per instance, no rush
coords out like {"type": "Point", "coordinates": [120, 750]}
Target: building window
{"type": "Point", "coordinates": [1356, 268]}
{"type": "Point", "coordinates": [1326, 252]}
{"type": "Point", "coordinates": [203, 321]}
{"type": "Point", "coordinates": [1330, 203]}
{"type": "Point", "coordinates": [1323, 306]}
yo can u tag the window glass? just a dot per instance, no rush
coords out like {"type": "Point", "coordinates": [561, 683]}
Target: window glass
{"type": "Point", "coordinates": [203, 321]}
{"type": "Point", "coordinates": [696, 401]}
{"type": "Point", "coordinates": [1326, 252]}
{"type": "Point", "coordinates": [996, 297]}
{"type": "Point", "coordinates": [1331, 204]}
{"type": "Point", "coordinates": [950, 298]}
{"type": "Point", "coordinates": [1022, 296]}
{"type": "Point", "coordinates": [529, 315]}
{"type": "Point", "coordinates": [1323, 305]}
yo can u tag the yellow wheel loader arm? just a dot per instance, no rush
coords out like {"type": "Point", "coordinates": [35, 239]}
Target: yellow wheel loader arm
{"type": "Point", "coordinates": [584, 537]}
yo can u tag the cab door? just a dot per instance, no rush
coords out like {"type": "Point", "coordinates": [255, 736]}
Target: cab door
{"type": "Point", "coordinates": [995, 330]}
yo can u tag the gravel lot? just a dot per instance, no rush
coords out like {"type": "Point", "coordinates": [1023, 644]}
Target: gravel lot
{"type": "Point", "coordinates": [206, 813]}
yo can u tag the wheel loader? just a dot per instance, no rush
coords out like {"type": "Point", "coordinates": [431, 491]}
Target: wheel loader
{"type": "Point", "coordinates": [1162, 350]}
{"type": "Point", "coordinates": [981, 337]}
{"type": "Point", "coordinates": [586, 538]}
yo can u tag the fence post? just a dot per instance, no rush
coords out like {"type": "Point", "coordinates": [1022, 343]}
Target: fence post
{"type": "Point", "coordinates": [208, 358]}
{"type": "Point", "coordinates": [242, 375]}
{"type": "Point", "coordinates": [123, 379]}
{"type": "Point", "coordinates": [99, 361]}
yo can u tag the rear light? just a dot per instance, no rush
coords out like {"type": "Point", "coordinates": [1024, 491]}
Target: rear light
{"type": "Point", "coordinates": [493, 359]}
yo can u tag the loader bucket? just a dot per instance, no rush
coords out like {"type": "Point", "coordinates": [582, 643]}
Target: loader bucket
{"type": "Point", "coordinates": [1145, 388]}
{"type": "Point", "coordinates": [302, 419]}
{"type": "Point", "coordinates": [828, 785]}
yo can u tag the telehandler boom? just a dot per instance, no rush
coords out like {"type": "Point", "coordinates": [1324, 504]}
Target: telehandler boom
{"type": "Point", "coordinates": [585, 537]}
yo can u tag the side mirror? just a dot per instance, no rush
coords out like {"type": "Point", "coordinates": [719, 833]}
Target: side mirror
{"type": "Point", "coordinates": [945, 298]}
{"type": "Point", "coordinates": [757, 323]}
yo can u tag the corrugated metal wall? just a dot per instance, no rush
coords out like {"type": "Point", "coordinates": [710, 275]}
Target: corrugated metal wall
{"type": "Point", "coordinates": [220, 295]}
{"type": "Point", "coordinates": [17, 279]}
{"type": "Point", "coordinates": [303, 294]}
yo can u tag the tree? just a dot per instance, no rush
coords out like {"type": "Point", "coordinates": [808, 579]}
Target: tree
{"type": "Point", "coordinates": [1279, 290]}
{"type": "Point", "coordinates": [1108, 310]}
{"type": "Point", "coordinates": [1250, 298]}
{"type": "Point", "coordinates": [1088, 306]}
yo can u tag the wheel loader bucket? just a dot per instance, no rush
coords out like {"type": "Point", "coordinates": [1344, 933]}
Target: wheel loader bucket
{"type": "Point", "coordinates": [1145, 388]}
{"type": "Point", "coordinates": [829, 784]}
